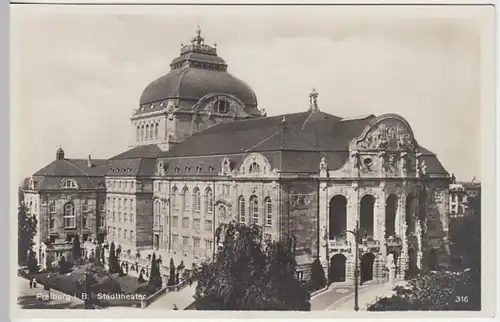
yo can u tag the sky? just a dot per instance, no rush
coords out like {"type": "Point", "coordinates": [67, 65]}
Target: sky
{"type": "Point", "coordinates": [78, 72]}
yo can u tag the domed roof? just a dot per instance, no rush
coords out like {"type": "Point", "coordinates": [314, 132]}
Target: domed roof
{"type": "Point", "coordinates": [198, 71]}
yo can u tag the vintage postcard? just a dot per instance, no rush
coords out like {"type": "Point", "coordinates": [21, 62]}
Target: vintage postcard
{"type": "Point", "coordinates": [332, 160]}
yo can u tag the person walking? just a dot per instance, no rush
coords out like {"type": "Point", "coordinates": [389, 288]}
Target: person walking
{"type": "Point", "coordinates": [31, 283]}
{"type": "Point", "coordinates": [34, 282]}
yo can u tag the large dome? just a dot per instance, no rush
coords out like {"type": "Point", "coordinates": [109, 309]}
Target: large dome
{"type": "Point", "coordinates": [198, 71]}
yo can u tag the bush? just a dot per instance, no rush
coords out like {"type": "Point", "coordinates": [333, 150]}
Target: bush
{"type": "Point", "coordinates": [318, 278]}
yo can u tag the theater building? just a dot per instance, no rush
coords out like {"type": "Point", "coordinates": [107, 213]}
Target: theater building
{"type": "Point", "coordinates": [205, 154]}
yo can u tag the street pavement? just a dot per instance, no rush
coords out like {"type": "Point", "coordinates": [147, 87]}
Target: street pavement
{"type": "Point", "coordinates": [340, 296]}
{"type": "Point", "coordinates": [181, 299]}
{"type": "Point", "coordinates": [38, 298]}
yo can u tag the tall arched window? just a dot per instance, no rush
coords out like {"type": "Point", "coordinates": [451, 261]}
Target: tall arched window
{"type": "Point", "coordinates": [254, 168]}
{"type": "Point", "coordinates": [85, 205]}
{"type": "Point", "coordinates": [157, 132]}
{"type": "Point", "coordinates": [138, 133]}
{"type": "Point", "coordinates": [185, 199]}
{"type": "Point", "coordinates": [151, 130]}
{"type": "Point", "coordinates": [241, 209]}
{"type": "Point", "coordinates": [269, 211]}
{"type": "Point", "coordinates": [142, 133]}
{"type": "Point", "coordinates": [209, 202]}
{"type": "Point", "coordinates": [69, 215]}
{"type": "Point", "coordinates": [254, 210]}
{"type": "Point", "coordinates": [196, 199]}
{"type": "Point", "coordinates": [173, 198]}
{"type": "Point", "coordinates": [147, 132]}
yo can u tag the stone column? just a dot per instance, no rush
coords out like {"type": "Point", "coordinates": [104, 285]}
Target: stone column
{"type": "Point", "coordinates": [403, 262]}
{"type": "Point", "coordinates": [352, 217]}
{"type": "Point", "coordinates": [323, 224]}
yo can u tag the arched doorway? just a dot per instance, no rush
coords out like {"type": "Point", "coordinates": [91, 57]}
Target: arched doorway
{"type": "Point", "coordinates": [337, 268]}
{"type": "Point", "coordinates": [391, 209]}
{"type": "Point", "coordinates": [338, 216]}
{"type": "Point", "coordinates": [367, 261]}
{"type": "Point", "coordinates": [395, 257]}
{"type": "Point", "coordinates": [411, 211]}
{"type": "Point", "coordinates": [366, 214]}
{"type": "Point", "coordinates": [433, 260]}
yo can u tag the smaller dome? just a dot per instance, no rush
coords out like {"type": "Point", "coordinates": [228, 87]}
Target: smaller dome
{"type": "Point", "coordinates": [60, 154]}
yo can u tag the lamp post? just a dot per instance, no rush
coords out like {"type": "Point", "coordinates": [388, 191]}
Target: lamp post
{"type": "Point", "coordinates": [357, 237]}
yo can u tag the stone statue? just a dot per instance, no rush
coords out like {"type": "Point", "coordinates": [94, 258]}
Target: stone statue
{"type": "Point", "coordinates": [423, 167]}
{"type": "Point", "coordinates": [390, 261]}
{"type": "Point", "coordinates": [418, 233]}
{"type": "Point", "coordinates": [322, 164]}
{"type": "Point", "coordinates": [355, 160]}
{"type": "Point", "coordinates": [324, 233]}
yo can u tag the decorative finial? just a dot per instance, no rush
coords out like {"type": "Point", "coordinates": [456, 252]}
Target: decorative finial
{"type": "Point", "coordinates": [313, 101]}
{"type": "Point", "coordinates": [283, 120]}
{"type": "Point", "coordinates": [198, 40]}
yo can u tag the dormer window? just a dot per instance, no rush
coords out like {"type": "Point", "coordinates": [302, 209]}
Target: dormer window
{"type": "Point", "coordinates": [222, 106]}
{"type": "Point", "coordinates": [31, 184]}
{"type": "Point", "coordinates": [69, 184]}
{"type": "Point", "coordinates": [177, 170]}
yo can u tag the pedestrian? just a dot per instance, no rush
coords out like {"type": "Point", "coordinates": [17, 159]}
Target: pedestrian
{"type": "Point", "coordinates": [31, 283]}
{"type": "Point", "coordinates": [175, 307]}
{"type": "Point", "coordinates": [34, 282]}
{"type": "Point", "coordinates": [190, 281]}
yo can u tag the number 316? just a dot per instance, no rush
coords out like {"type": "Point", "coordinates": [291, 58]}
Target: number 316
{"type": "Point", "coordinates": [461, 299]}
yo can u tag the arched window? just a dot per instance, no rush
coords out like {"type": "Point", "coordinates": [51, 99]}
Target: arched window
{"type": "Point", "coordinates": [173, 198]}
{"type": "Point", "coordinates": [222, 106]}
{"type": "Point", "coordinates": [254, 168]}
{"type": "Point", "coordinates": [142, 133]}
{"type": "Point", "coordinates": [147, 132]}
{"type": "Point", "coordinates": [157, 132]}
{"type": "Point", "coordinates": [138, 133]}
{"type": "Point", "coordinates": [151, 130]}
{"type": "Point", "coordinates": [241, 209]}
{"type": "Point", "coordinates": [269, 211]}
{"type": "Point", "coordinates": [69, 215]}
{"type": "Point", "coordinates": [184, 199]}
{"type": "Point", "coordinates": [254, 209]}
{"type": "Point", "coordinates": [222, 213]}
{"type": "Point", "coordinates": [69, 184]}
{"type": "Point", "coordinates": [196, 199]}
{"type": "Point", "coordinates": [209, 202]}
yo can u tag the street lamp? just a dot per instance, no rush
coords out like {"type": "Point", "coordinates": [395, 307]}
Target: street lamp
{"type": "Point", "coordinates": [358, 234]}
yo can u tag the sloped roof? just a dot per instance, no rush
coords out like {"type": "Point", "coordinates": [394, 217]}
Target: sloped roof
{"type": "Point", "coordinates": [74, 168]}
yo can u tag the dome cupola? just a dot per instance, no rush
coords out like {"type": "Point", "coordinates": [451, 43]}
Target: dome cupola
{"type": "Point", "coordinates": [197, 71]}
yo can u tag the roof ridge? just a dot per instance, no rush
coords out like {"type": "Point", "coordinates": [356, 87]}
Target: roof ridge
{"type": "Point", "coordinates": [356, 118]}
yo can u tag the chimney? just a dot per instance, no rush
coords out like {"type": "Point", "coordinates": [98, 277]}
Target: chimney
{"type": "Point", "coordinates": [89, 161]}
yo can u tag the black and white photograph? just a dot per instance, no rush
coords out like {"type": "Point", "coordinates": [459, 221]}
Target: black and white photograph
{"type": "Point", "coordinates": [330, 159]}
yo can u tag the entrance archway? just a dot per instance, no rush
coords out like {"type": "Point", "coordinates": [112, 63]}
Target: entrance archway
{"type": "Point", "coordinates": [367, 261]}
{"type": "Point", "coordinates": [337, 268]}
{"type": "Point", "coordinates": [338, 216]}
{"type": "Point", "coordinates": [391, 209]}
{"type": "Point", "coordinates": [366, 214]}
{"type": "Point", "coordinates": [411, 211]}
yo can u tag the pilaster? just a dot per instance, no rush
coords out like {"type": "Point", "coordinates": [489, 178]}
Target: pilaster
{"type": "Point", "coordinates": [323, 223]}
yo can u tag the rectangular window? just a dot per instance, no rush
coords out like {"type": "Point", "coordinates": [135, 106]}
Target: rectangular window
{"type": "Point", "coordinates": [114, 219]}
{"type": "Point", "coordinates": [125, 234]}
{"type": "Point", "coordinates": [208, 226]}
{"type": "Point", "coordinates": [185, 222]}
{"type": "Point", "coordinates": [125, 217]}
{"type": "Point", "coordinates": [52, 207]}
{"type": "Point", "coordinates": [185, 240]}
{"type": "Point", "coordinates": [208, 245]}
{"type": "Point", "coordinates": [52, 222]}
{"type": "Point", "coordinates": [119, 217]}
{"type": "Point", "coordinates": [175, 221]}
{"type": "Point", "coordinates": [300, 275]}
{"type": "Point", "coordinates": [84, 220]}
{"type": "Point", "coordinates": [131, 218]}
{"type": "Point", "coordinates": [196, 242]}
{"type": "Point", "coordinates": [119, 233]}
{"type": "Point", "coordinates": [102, 206]}
{"type": "Point", "coordinates": [196, 224]}
{"type": "Point", "coordinates": [132, 235]}
{"type": "Point", "coordinates": [175, 240]}
{"type": "Point", "coordinates": [109, 231]}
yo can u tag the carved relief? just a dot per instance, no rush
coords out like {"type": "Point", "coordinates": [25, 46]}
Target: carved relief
{"type": "Point", "coordinates": [220, 104]}
{"type": "Point", "coordinates": [256, 164]}
{"type": "Point", "coordinates": [298, 201]}
{"type": "Point", "coordinates": [389, 136]}
{"type": "Point", "coordinates": [322, 165]}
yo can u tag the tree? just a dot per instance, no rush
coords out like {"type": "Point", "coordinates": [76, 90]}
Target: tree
{"type": "Point", "coordinates": [432, 292]}
{"type": "Point", "coordinates": [77, 250]}
{"type": "Point", "coordinates": [33, 266]}
{"type": "Point", "coordinates": [97, 258]}
{"type": "Point", "coordinates": [48, 262]}
{"type": "Point", "coordinates": [64, 266]}
{"type": "Point", "coordinates": [171, 277]}
{"type": "Point", "coordinates": [154, 276]}
{"type": "Point", "coordinates": [318, 278]}
{"type": "Point", "coordinates": [245, 274]}
{"type": "Point", "coordinates": [26, 231]}
{"type": "Point", "coordinates": [114, 267]}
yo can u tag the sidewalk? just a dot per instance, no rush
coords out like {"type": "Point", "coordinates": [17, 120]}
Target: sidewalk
{"type": "Point", "coordinates": [180, 299]}
{"type": "Point", "coordinates": [366, 297]}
